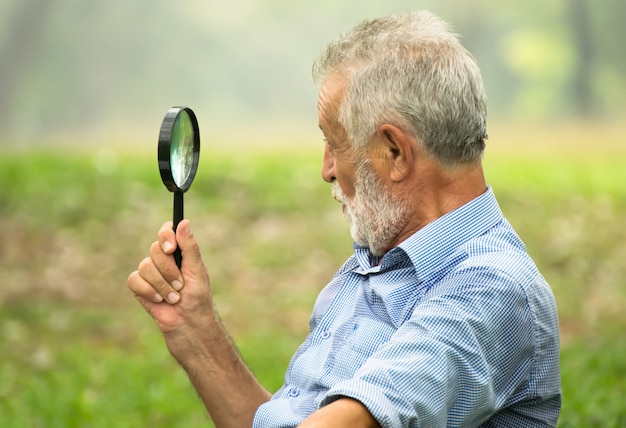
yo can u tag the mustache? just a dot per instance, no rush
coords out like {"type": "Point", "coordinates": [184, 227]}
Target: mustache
{"type": "Point", "coordinates": [338, 193]}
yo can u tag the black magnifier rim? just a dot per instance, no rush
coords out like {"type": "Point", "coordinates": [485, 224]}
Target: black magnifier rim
{"type": "Point", "coordinates": [164, 149]}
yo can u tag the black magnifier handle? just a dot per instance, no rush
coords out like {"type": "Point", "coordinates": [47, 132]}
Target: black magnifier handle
{"type": "Point", "coordinates": [178, 216]}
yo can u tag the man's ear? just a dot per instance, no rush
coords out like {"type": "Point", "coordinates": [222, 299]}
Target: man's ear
{"type": "Point", "coordinates": [399, 151]}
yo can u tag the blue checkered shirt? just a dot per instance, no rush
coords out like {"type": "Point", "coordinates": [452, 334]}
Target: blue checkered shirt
{"type": "Point", "coordinates": [455, 327]}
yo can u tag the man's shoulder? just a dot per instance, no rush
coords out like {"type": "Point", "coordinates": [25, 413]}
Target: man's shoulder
{"type": "Point", "coordinates": [501, 252]}
{"type": "Point", "coordinates": [498, 251]}
{"type": "Point", "coordinates": [494, 264]}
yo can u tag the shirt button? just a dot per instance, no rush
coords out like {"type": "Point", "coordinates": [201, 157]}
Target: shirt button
{"type": "Point", "coordinates": [294, 391]}
{"type": "Point", "coordinates": [326, 334]}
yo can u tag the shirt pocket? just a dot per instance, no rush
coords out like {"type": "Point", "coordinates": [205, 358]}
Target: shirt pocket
{"type": "Point", "coordinates": [366, 335]}
{"type": "Point", "coordinates": [369, 334]}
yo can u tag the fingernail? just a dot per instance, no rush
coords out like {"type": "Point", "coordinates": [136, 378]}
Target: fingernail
{"type": "Point", "coordinates": [177, 285]}
{"type": "Point", "coordinates": [158, 298]}
{"type": "Point", "coordinates": [167, 246]}
{"type": "Point", "coordinates": [188, 230]}
{"type": "Point", "coordinates": [173, 297]}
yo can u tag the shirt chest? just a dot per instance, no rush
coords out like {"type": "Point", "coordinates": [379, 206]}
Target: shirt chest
{"type": "Point", "coordinates": [355, 315]}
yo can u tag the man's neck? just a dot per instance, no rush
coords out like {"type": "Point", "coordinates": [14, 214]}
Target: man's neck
{"type": "Point", "coordinates": [439, 192]}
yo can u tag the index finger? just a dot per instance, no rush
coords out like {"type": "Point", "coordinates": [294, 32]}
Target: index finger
{"type": "Point", "coordinates": [167, 238]}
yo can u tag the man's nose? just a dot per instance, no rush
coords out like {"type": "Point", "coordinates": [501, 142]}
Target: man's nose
{"type": "Point", "coordinates": [328, 166]}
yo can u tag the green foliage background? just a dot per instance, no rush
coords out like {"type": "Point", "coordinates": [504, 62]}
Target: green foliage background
{"type": "Point", "coordinates": [77, 351]}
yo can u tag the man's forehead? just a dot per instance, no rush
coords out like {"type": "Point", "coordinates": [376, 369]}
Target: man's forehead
{"type": "Point", "coordinates": [330, 95]}
{"type": "Point", "coordinates": [333, 83]}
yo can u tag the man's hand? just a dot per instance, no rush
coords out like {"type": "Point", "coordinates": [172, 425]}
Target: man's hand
{"type": "Point", "coordinates": [343, 413]}
{"type": "Point", "coordinates": [180, 302]}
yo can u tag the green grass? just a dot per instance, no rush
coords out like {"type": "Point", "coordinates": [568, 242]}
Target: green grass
{"type": "Point", "coordinates": [67, 366]}
{"type": "Point", "coordinates": [77, 351]}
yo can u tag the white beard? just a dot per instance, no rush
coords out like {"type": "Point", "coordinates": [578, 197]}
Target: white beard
{"type": "Point", "coordinates": [375, 215]}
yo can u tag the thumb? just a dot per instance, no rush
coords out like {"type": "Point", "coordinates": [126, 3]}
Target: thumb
{"type": "Point", "coordinates": [188, 245]}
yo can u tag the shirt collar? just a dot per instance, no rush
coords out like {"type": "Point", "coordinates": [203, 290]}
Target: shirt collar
{"type": "Point", "coordinates": [366, 261]}
{"type": "Point", "coordinates": [435, 241]}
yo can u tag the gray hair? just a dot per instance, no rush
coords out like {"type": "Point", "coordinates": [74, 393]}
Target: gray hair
{"type": "Point", "coordinates": [410, 70]}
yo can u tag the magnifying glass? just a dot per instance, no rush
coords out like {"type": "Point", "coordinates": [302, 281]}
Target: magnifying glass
{"type": "Point", "coordinates": [179, 151]}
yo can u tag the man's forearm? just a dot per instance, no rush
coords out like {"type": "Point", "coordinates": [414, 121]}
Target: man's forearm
{"type": "Point", "coordinates": [229, 391]}
{"type": "Point", "coordinates": [344, 413]}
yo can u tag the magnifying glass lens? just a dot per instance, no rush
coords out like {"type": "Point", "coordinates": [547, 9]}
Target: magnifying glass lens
{"type": "Point", "coordinates": [181, 148]}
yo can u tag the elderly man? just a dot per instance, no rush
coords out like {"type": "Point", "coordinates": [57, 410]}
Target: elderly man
{"type": "Point", "coordinates": [439, 318]}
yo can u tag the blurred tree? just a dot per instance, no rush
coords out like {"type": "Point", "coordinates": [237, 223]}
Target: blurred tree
{"type": "Point", "coordinates": [608, 33]}
{"type": "Point", "coordinates": [23, 33]}
{"type": "Point", "coordinates": [584, 43]}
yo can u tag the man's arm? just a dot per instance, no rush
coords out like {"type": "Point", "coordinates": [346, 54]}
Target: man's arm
{"type": "Point", "coordinates": [180, 302]}
{"type": "Point", "coordinates": [343, 413]}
